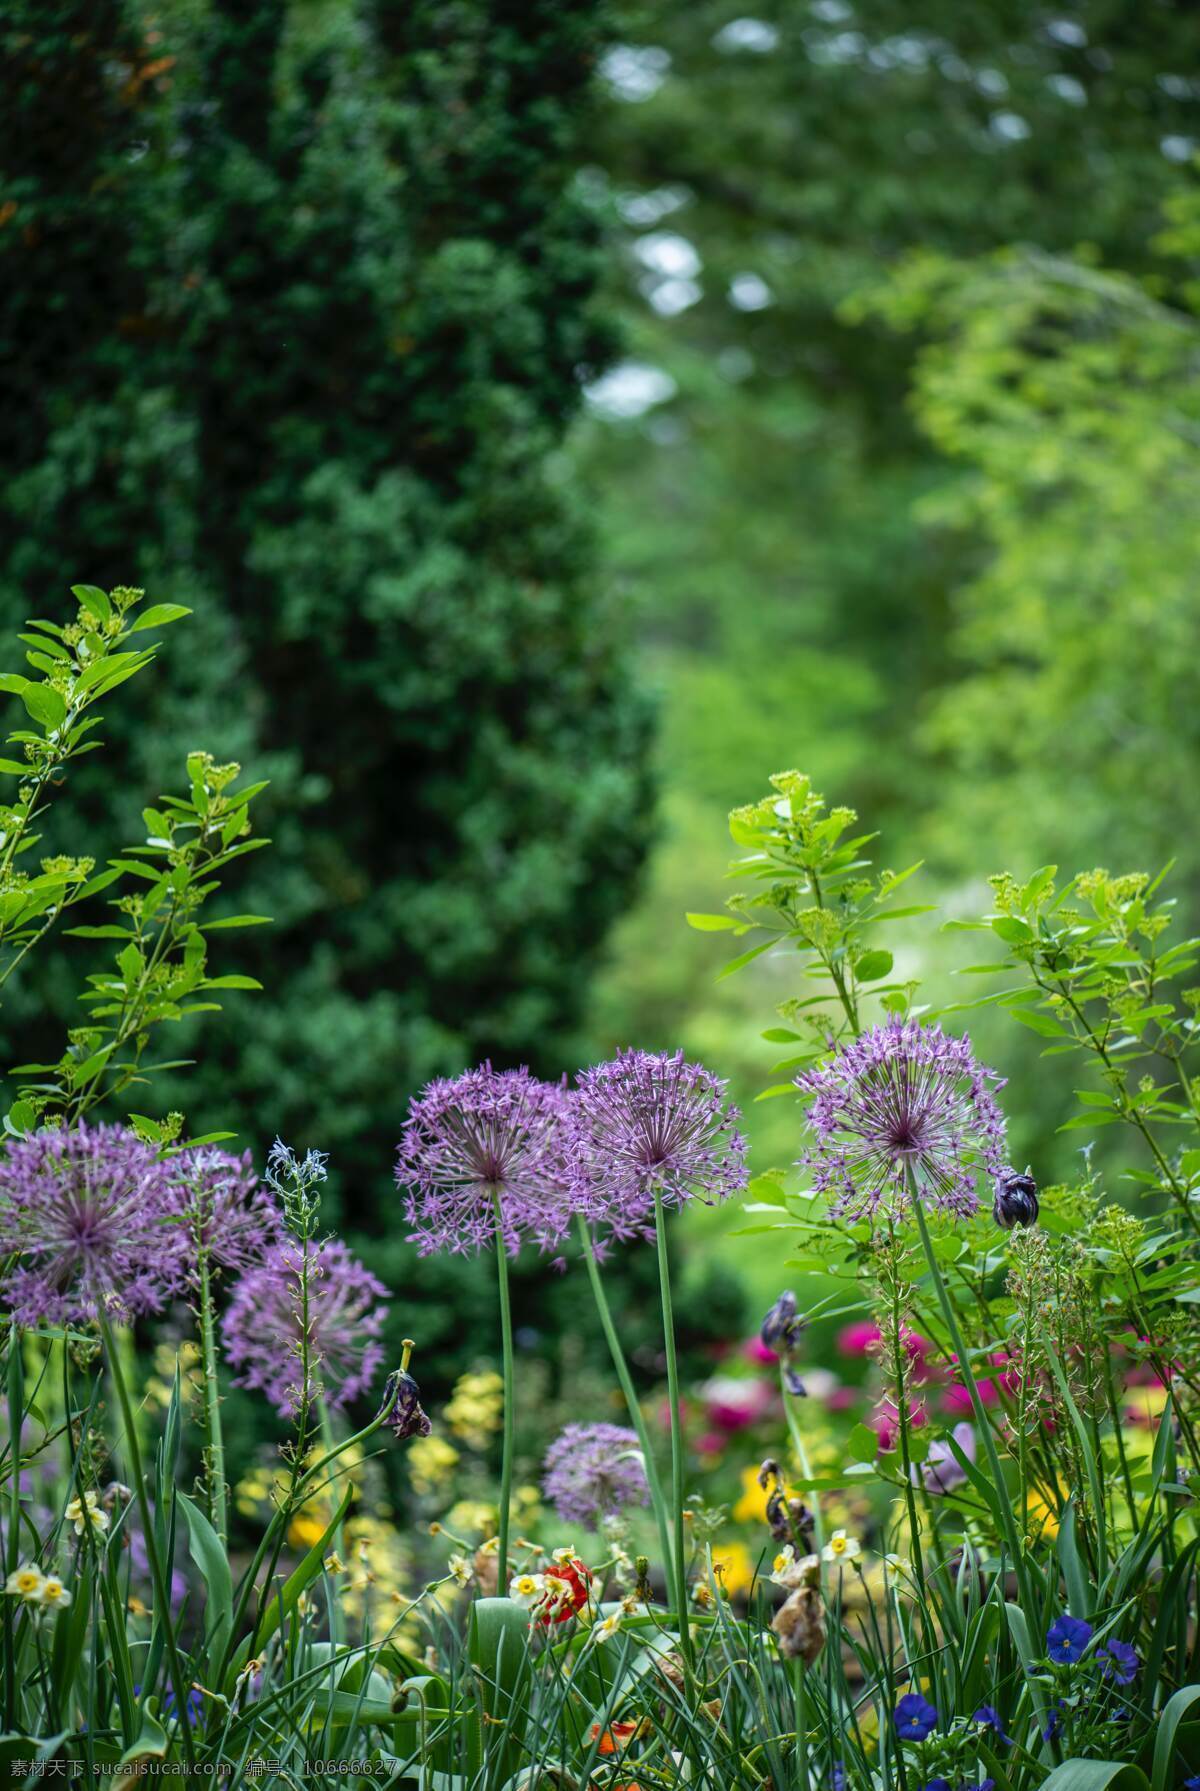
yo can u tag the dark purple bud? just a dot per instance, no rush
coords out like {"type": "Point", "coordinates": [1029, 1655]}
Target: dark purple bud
{"type": "Point", "coordinates": [1016, 1201]}
{"type": "Point", "coordinates": [794, 1384]}
{"type": "Point", "coordinates": [402, 1407]}
{"type": "Point", "coordinates": [782, 1327]}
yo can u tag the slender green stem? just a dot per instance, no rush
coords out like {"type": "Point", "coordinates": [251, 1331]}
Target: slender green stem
{"type": "Point", "coordinates": [632, 1404]}
{"type": "Point", "coordinates": [680, 1561]}
{"type": "Point", "coordinates": [506, 1343]}
{"type": "Point", "coordinates": [1007, 1522]}
{"type": "Point", "coordinates": [329, 1444]}
{"type": "Point", "coordinates": [214, 1453]}
{"type": "Point", "coordinates": [162, 1597]}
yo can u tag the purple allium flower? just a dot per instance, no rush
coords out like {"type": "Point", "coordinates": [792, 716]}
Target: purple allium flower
{"type": "Point", "coordinates": [1067, 1639]}
{"type": "Point", "coordinates": [1118, 1661]}
{"type": "Point", "coordinates": [594, 1471]}
{"type": "Point", "coordinates": [941, 1471]}
{"type": "Point", "coordinates": [84, 1210]}
{"type": "Point", "coordinates": [903, 1096]}
{"type": "Point", "coordinates": [263, 1326]}
{"type": "Point", "coordinates": [484, 1135]}
{"type": "Point", "coordinates": [914, 1717]}
{"type": "Point", "coordinates": [223, 1206]}
{"type": "Point", "coordinates": [648, 1121]}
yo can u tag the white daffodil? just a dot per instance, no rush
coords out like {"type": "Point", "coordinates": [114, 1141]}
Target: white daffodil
{"type": "Point", "coordinates": [841, 1547]}
{"type": "Point", "coordinates": [26, 1583]}
{"type": "Point", "coordinates": [607, 1626]}
{"type": "Point", "coordinates": [85, 1511]}
{"type": "Point", "coordinates": [782, 1565]}
{"type": "Point", "coordinates": [460, 1570]}
{"type": "Point", "coordinates": [527, 1589]}
{"type": "Point", "coordinates": [54, 1593]}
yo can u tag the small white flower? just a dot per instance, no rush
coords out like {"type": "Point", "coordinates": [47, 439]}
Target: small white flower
{"type": "Point", "coordinates": [460, 1570]}
{"type": "Point", "coordinates": [607, 1627]}
{"type": "Point", "coordinates": [26, 1583]}
{"type": "Point", "coordinates": [54, 1593]}
{"type": "Point", "coordinates": [85, 1511]}
{"type": "Point", "coordinates": [528, 1589]}
{"type": "Point", "coordinates": [782, 1565]}
{"type": "Point", "coordinates": [841, 1547]}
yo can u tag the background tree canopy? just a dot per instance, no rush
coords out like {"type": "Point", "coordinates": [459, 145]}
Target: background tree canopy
{"type": "Point", "coordinates": [888, 471]}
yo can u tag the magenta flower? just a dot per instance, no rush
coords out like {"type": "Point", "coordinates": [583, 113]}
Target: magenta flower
{"type": "Point", "coordinates": [488, 1136]}
{"type": "Point", "coordinates": [903, 1097]}
{"type": "Point", "coordinates": [263, 1326]}
{"type": "Point", "coordinates": [223, 1207]}
{"type": "Point", "coordinates": [85, 1214]}
{"type": "Point", "coordinates": [594, 1471]}
{"type": "Point", "coordinates": [648, 1122]}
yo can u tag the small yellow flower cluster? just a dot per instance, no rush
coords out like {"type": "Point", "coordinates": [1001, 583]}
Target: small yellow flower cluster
{"type": "Point", "coordinates": [160, 1384]}
{"type": "Point", "coordinates": [431, 1463]}
{"type": "Point", "coordinates": [42, 1591]}
{"type": "Point", "coordinates": [476, 1409]}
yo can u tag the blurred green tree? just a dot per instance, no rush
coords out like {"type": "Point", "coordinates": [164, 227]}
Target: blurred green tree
{"type": "Point", "coordinates": [301, 300]}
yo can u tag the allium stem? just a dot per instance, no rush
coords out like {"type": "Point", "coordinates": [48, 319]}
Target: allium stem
{"type": "Point", "coordinates": [506, 1345]}
{"type": "Point", "coordinates": [1007, 1521]}
{"type": "Point", "coordinates": [632, 1404]}
{"type": "Point", "coordinates": [680, 1562]}
{"type": "Point", "coordinates": [162, 1595]}
{"type": "Point", "coordinates": [214, 1451]}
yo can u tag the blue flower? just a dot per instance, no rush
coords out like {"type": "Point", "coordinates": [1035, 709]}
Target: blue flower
{"type": "Point", "coordinates": [989, 1718]}
{"type": "Point", "coordinates": [1052, 1727]}
{"type": "Point", "coordinates": [914, 1717]}
{"type": "Point", "coordinates": [1119, 1661]}
{"type": "Point", "coordinates": [1192, 1784]}
{"type": "Point", "coordinates": [937, 1785]}
{"type": "Point", "coordinates": [837, 1777]}
{"type": "Point", "coordinates": [1066, 1640]}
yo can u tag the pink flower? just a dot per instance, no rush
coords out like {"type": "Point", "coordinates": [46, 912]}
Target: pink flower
{"type": "Point", "coordinates": [755, 1350]}
{"type": "Point", "coordinates": [885, 1422]}
{"type": "Point", "coordinates": [856, 1339]}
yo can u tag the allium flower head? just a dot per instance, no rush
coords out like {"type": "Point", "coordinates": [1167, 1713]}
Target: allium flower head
{"type": "Point", "coordinates": [223, 1207]}
{"type": "Point", "coordinates": [649, 1121]}
{"type": "Point", "coordinates": [903, 1096]}
{"type": "Point", "coordinates": [593, 1471]}
{"type": "Point", "coordinates": [486, 1134]}
{"type": "Point", "coordinates": [263, 1326]}
{"type": "Point", "coordinates": [85, 1213]}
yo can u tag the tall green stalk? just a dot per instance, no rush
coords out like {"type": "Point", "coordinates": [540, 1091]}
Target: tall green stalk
{"type": "Point", "coordinates": [1007, 1522]}
{"type": "Point", "coordinates": [632, 1403]}
{"type": "Point", "coordinates": [506, 1342]}
{"type": "Point", "coordinates": [214, 1450]}
{"type": "Point", "coordinates": [679, 1564]}
{"type": "Point", "coordinates": [162, 1596]}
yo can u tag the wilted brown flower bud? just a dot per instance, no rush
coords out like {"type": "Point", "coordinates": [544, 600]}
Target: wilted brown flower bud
{"type": "Point", "coordinates": [799, 1624]}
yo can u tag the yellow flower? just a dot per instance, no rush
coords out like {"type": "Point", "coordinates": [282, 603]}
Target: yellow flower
{"type": "Point", "coordinates": [334, 1562]}
{"type": "Point", "coordinates": [1042, 1515]}
{"type": "Point", "coordinates": [734, 1567]}
{"type": "Point", "coordinates": [751, 1508]}
{"type": "Point", "coordinates": [26, 1583]}
{"type": "Point", "coordinates": [607, 1627]}
{"type": "Point", "coordinates": [306, 1528]}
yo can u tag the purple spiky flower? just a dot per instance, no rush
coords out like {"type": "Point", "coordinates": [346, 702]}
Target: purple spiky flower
{"type": "Point", "coordinates": [85, 1214]}
{"type": "Point", "coordinates": [902, 1097]}
{"type": "Point", "coordinates": [594, 1471]}
{"type": "Point", "coordinates": [487, 1149]}
{"type": "Point", "coordinates": [264, 1326]}
{"type": "Point", "coordinates": [650, 1121]}
{"type": "Point", "coordinates": [222, 1208]}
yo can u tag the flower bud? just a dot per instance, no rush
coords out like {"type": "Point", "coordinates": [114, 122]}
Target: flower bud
{"type": "Point", "coordinates": [782, 1326]}
{"type": "Point", "coordinates": [1016, 1201]}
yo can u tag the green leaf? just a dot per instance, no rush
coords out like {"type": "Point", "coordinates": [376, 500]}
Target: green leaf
{"type": "Point", "coordinates": [862, 1444]}
{"type": "Point", "coordinates": [231, 982]}
{"type": "Point", "coordinates": [873, 965]}
{"type": "Point", "coordinates": [1186, 1700]}
{"type": "Point", "coordinates": [1095, 1775]}
{"type": "Point", "coordinates": [1011, 930]}
{"type": "Point", "coordinates": [93, 600]}
{"type": "Point", "coordinates": [237, 920]}
{"type": "Point", "coordinates": [151, 1744]}
{"type": "Point", "coordinates": [207, 1551]}
{"type": "Point", "coordinates": [159, 615]}
{"type": "Point", "coordinates": [713, 923]}
{"type": "Point", "coordinates": [45, 704]}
